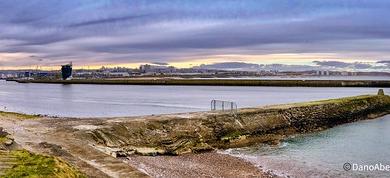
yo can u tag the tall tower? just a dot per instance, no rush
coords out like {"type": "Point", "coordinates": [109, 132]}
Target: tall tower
{"type": "Point", "coordinates": [66, 71]}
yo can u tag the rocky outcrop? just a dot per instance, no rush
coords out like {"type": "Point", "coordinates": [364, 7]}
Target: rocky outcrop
{"type": "Point", "coordinates": [5, 140]}
{"type": "Point", "coordinates": [203, 131]}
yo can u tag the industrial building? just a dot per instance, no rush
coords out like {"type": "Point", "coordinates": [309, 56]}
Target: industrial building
{"type": "Point", "coordinates": [66, 71]}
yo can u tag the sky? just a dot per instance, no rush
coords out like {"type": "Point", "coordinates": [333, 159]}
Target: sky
{"type": "Point", "coordinates": [187, 33]}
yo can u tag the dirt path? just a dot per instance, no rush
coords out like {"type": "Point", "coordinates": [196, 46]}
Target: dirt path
{"type": "Point", "coordinates": [45, 136]}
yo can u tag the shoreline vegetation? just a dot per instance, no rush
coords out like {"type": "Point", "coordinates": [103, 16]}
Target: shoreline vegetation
{"type": "Point", "coordinates": [220, 82]}
{"type": "Point", "coordinates": [19, 162]}
{"type": "Point", "coordinates": [26, 164]}
{"type": "Point", "coordinates": [121, 147]}
{"type": "Point", "coordinates": [21, 116]}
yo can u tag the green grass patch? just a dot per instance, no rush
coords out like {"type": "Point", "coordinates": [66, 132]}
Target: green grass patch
{"type": "Point", "coordinates": [337, 100]}
{"type": "Point", "coordinates": [233, 135]}
{"type": "Point", "coordinates": [341, 100]}
{"type": "Point", "coordinates": [18, 115]}
{"type": "Point", "coordinates": [37, 166]}
{"type": "Point", "coordinates": [3, 139]}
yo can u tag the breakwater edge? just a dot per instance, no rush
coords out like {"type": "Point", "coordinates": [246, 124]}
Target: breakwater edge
{"type": "Point", "coordinates": [222, 82]}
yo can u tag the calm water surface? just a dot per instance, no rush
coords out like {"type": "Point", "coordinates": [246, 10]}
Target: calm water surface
{"type": "Point", "coordinates": [319, 154]}
{"type": "Point", "coordinates": [323, 154]}
{"type": "Point", "coordinates": [133, 100]}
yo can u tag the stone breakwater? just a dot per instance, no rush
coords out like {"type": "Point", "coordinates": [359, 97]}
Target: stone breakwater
{"type": "Point", "coordinates": [221, 82]}
{"type": "Point", "coordinates": [203, 131]}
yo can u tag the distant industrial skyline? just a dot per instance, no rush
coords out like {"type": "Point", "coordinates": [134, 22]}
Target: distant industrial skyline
{"type": "Point", "coordinates": [183, 33]}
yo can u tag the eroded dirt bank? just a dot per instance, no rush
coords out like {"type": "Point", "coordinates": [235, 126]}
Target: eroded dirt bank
{"type": "Point", "coordinates": [111, 147]}
{"type": "Point", "coordinates": [203, 131]}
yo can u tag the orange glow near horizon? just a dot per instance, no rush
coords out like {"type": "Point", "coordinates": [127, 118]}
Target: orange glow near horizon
{"type": "Point", "coordinates": [286, 58]}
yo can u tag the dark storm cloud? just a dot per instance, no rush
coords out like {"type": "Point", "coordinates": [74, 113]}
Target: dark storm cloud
{"type": "Point", "coordinates": [383, 62]}
{"type": "Point", "coordinates": [108, 20]}
{"type": "Point", "coordinates": [332, 63]}
{"type": "Point", "coordinates": [119, 31]}
{"type": "Point", "coordinates": [160, 63]}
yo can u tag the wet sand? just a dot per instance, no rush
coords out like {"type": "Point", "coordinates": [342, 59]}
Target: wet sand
{"type": "Point", "coordinates": [210, 164]}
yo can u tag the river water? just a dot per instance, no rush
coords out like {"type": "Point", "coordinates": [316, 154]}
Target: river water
{"type": "Point", "coordinates": [324, 153]}
{"type": "Point", "coordinates": [319, 154]}
{"type": "Point", "coordinates": [135, 100]}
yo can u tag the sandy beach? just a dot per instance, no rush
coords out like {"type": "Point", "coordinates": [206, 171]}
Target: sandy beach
{"type": "Point", "coordinates": [210, 164]}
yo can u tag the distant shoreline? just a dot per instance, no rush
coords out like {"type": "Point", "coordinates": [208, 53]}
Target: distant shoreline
{"type": "Point", "coordinates": [221, 82]}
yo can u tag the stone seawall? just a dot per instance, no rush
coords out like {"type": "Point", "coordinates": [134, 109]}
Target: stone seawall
{"type": "Point", "coordinates": [203, 131]}
{"type": "Point", "coordinates": [222, 82]}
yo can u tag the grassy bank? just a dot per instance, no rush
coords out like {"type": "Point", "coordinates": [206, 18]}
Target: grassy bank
{"type": "Point", "coordinates": [16, 162]}
{"type": "Point", "coordinates": [26, 164]}
{"type": "Point", "coordinates": [205, 131]}
{"type": "Point", "coordinates": [224, 82]}
{"type": "Point", "coordinates": [15, 115]}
